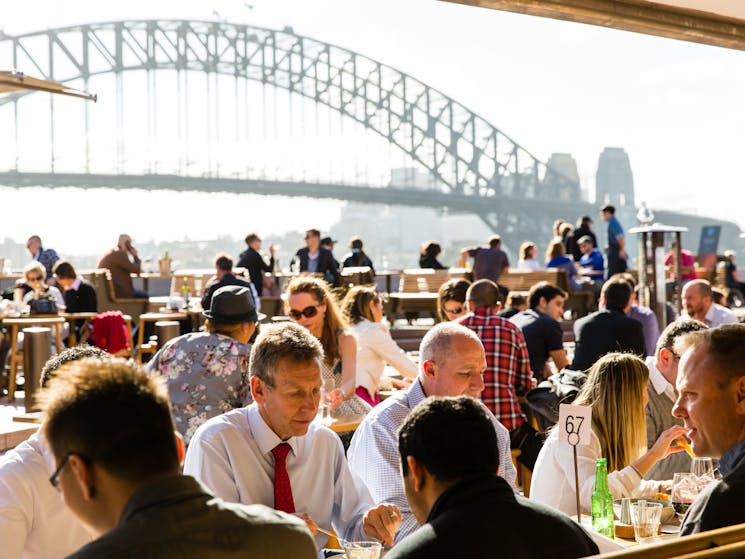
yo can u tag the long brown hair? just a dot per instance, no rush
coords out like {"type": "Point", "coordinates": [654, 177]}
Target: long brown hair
{"type": "Point", "coordinates": [356, 304]}
{"type": "Point", "coordinates": [615, 389]}
{"type": "Point", "coordinates": [333, 322]}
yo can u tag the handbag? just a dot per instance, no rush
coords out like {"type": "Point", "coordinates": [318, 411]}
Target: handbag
{"type": "Point", "coordinates": [560, 388]}
{"type": "Point", "coordinates": [45, 304]}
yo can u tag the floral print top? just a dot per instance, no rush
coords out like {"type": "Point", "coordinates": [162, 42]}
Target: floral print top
{"type": "Point", "coordinates": [207, 375]}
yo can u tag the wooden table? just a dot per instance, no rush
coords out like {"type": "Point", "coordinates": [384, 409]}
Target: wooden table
{"type": "Point", "coordinates": [18, 323]}
{"type": "Point", "coordinates": [341, 424]}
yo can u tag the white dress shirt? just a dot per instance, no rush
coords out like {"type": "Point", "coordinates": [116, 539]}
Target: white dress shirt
{"type": "Point", "coordinates": [375, 348]}
{"type": "Point", "coordinates": [232, 455]}
{"type": "Point", "coordinates": [553, 476]}
{"type": "Point", "coordinates": [716, 316]}
{"type": "Point", "coordinates": [373, 452]}
{"type": "Point", "coordinates": [34, 521]}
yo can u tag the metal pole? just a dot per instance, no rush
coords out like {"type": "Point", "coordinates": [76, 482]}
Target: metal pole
{"type": "Point", "coordinates": [576, 484]}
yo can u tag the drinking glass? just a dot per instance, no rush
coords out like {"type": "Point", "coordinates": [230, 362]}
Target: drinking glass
{"type": "Point", "coordinates": [684, 492]}
{"type": "Point", "coordinates": [703, 470]}
{"type": "Point", "coordinates": [327, 387]}
{"type": "Point", "coordinates": [362, 550]}
{"type": "Point", "coordinates": [646, 519]}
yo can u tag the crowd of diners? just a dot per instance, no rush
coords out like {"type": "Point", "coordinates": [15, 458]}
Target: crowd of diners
{"type": "Point", "coordinates": [219, 447]}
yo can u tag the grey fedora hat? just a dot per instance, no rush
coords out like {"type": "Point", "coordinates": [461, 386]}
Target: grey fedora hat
{"type": "Point", "coordinates": [233, 304]}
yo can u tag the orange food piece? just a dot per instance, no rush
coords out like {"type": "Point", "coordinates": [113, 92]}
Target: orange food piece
{"type": "Point", "coordinates": [686, 446]}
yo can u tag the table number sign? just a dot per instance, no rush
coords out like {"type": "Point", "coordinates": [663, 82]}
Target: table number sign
{"type": "Point", "coordinates": [575, 425]}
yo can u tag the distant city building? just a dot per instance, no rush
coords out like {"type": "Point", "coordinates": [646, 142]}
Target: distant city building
{"type": "Point", "coordinates": [566, 166]}
{"type": "Point", "coordinates": [614, 182]}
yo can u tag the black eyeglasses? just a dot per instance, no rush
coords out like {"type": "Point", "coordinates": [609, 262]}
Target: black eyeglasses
{"type": "Point", "coordinates": [307, 312]}
{"type": "Point", "coordinates": [456, 310]}
{"type": "Point", "coordinates": [54, 479]}
{"type": "Point", "coordinates": [34, 278]}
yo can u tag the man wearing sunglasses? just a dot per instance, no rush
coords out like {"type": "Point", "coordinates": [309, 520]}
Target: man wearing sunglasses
{"type": "Point", "coordinates": [316, 259]}
{"type": "Point", "coordinates": [111, 432]}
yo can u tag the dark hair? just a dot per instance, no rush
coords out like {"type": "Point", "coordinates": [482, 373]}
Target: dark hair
{"type": "Point", "coordinates": [223, 262]}
{"type": "Point", "coordinates": [70, 354]}
{"type": "Point", "coordinates": [64, 270]}
{"type": "Point", "coordinates": [676, 329]}
{"type": "Point", "coordinates": [453, 438]}
{"type": "Point", "coordinates": [494, 241]}
{"type": "Point", "coordinates": [282, 341]}
{"type": "Point", "coordinates": [546, 290]}
{"type": "Point", "coordinates": [724, 347]}
{"type": "Point", "coordinates": [313, 233]}
{"type": "Point", "coordinates": [251, 237]}
{"type": "Point", "coordinates": [356, 303]}
{"type": "Point", "coordinates": [608, 208]}
{"type": "Point", "coordinates": [430, 249]}
{"type": "Point", "coordinates": [355, 242]}
{"type": "Point", "coordinates": [584, 221]}
{"type": "Point", "coordinates": [484, 293]}
{"type": "Point", "coordinates": [617, 293]}
{"type": "Point", "coordinates": [452, 290]}
{"type": "Point", "coordinates": [113, 413]}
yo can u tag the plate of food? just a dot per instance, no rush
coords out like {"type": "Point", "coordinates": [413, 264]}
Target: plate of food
{"type": "Point", "coordinates": [668, 512]}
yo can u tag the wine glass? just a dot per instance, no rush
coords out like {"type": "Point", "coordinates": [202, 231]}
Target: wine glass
{"type": "Point", "coordinates": [684, 492]}
{"type": "Point", "coordinates": [702, 469]}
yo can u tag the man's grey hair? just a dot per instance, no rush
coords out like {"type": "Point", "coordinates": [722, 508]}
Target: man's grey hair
{"type": "Point", "coordinates": [436, 343]}
{"type": "Point", "coordinates": [282, 341]}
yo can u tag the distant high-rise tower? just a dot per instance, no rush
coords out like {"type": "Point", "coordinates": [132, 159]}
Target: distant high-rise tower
{"type": "Point", "coordinates": [614, 182]}
{"type": "Point", "coordinates": [565, 165]}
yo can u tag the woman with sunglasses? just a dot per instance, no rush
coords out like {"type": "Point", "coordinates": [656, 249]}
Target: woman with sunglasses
{"type": "Point", "coordinates": [363, 308]}
{"type": "Point", "coordinates": [311, 305]}
{"type": "Point", "coordinates": [35, 274]}
{"type": "Point", "coordinates": [451, 299]}
{"type": "Point", "coordinates": [616, 390]}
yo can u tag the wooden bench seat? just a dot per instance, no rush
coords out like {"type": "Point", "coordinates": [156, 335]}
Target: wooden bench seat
{"type": "Point", "coordinates": [417, 292]}
{"type": "Point", "coordinates": [520, 281]}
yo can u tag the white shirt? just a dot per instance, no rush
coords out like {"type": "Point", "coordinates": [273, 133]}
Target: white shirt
{"type": "Point", "coordinates": [659, 383]}
{"type": "Point", "coordinates": [373, 452]}
{"type": "Point", "coordinates": [716, 316]}
{"type": "Point", "coordinates": [34, 521]}
{"type": "Point", "coordinates": [529, 264]}
{"type": "Point", "coordinates": [375, 348]}
{"type": "Point", "coordinates": [553, 476]}
{"type": "Point", "coordinates": [232, 455]}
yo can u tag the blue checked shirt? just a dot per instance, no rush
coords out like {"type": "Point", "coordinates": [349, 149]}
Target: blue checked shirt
{"type": "Point", "coordinates": [373, 452]}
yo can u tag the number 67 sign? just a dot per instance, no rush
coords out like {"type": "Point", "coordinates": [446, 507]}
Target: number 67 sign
{"type": "Point", "coordinates": [575, 424]}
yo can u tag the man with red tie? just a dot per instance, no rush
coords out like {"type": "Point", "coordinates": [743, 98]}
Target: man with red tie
{"type": "Point", "coordinates": [273, 453]}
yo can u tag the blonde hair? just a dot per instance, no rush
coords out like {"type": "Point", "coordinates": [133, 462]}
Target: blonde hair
{"type": "Point", "coordinates": [35, 266]}
{"type": "Point", "coordinates": [615, 389]}
{"type": "Point", "coordinates": [333, 322]}
{"type": "Point", "coordinates": [555, 249]}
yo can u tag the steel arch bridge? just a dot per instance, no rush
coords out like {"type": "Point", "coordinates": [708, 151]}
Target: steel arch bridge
{"type": "Point", "coordinates": [477, 167]}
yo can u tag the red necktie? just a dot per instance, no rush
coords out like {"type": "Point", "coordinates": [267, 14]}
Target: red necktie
{"type": "Point", "coordinates": [282, 490]}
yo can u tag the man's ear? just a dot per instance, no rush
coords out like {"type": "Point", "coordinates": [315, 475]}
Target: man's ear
{"type": "Point", "coordinates": [429, 368]}
{"type": "Point", "coordinates": [740, 387]}
{"type": "Point", "coordinates": [417, 473]}
{"type": "Point", "coordinates": [258, 389]}
{"type": "Point", "coordinates": [180, 448]}
{"type": "Point", "coordinates": [85, 476]}
{"type": "Point", "coordinates": [470, 305]}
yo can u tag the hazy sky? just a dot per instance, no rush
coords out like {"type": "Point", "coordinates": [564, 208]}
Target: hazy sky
{"type": "Point", "coordinates": [551, 86]}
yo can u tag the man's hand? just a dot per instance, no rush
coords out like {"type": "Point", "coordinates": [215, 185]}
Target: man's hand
{"type": "Point", "coordinates": [382, 522]}
{"type": "Point", "coordinates": [312, 526]}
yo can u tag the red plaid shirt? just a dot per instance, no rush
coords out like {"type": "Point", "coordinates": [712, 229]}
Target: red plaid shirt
{"type": "Point", "coordinates": [507, 364]}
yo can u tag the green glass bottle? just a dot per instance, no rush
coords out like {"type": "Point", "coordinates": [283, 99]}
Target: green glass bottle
{"type": "Point", "coordinates": [602, 501]}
